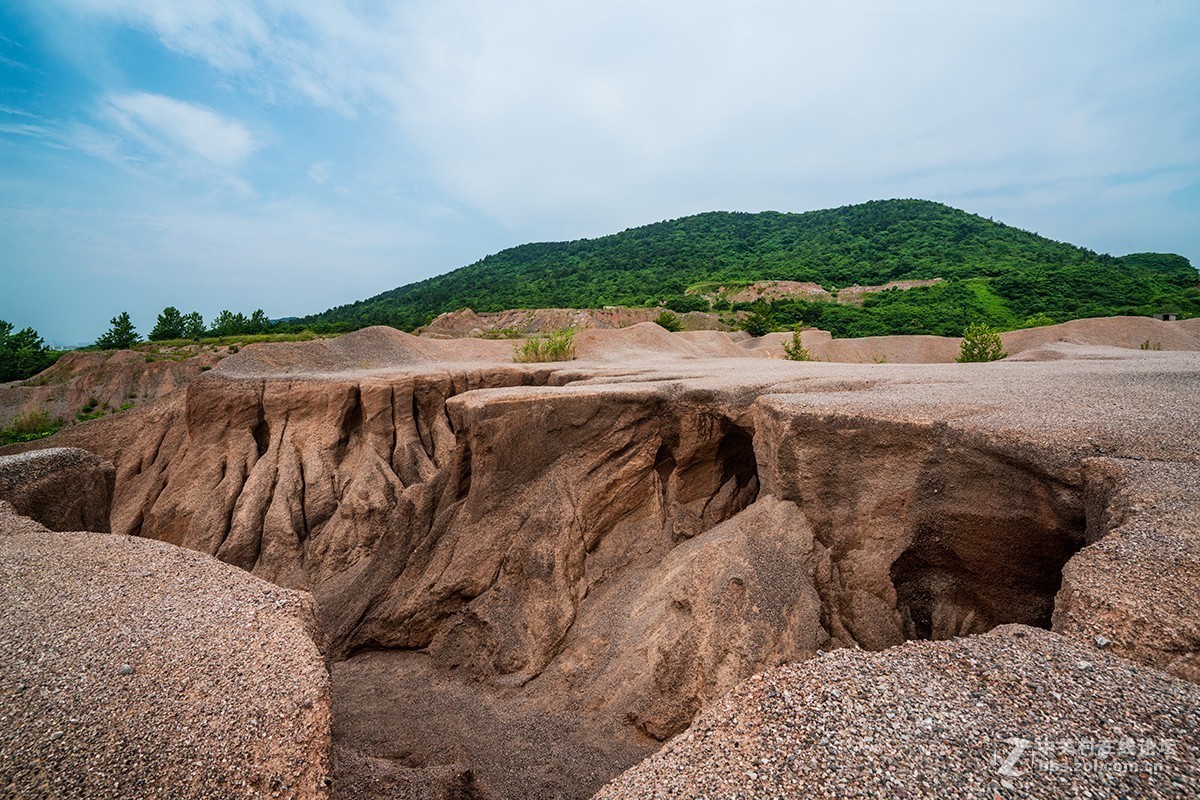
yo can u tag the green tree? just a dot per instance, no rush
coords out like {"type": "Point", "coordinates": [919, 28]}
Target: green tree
{"type": "Point", "coordinates": [981, 343]}
{"type": "Point", "coordinates": [758, 321]}
{"type": "Point", "coordinates": [667, 320]}
{"type": "Point", "coordinates": [795, 349]}
{"type": "Point", "coordinates": [168, 326]}
{"type": "Point", "coordinates": [121, 336]}
{"type": "Point", "coordinates": [228, 323]}
{"type": "Point", "coordinates": [258, 323]}
{"type": "Point", "coordinates": [192, 326]}
{"type": "Point", "coordinates": [23, 353]}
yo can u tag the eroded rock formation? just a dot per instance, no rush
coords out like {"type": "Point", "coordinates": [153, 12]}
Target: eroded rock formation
{"type": "Point", "coordinates": [617, 543]}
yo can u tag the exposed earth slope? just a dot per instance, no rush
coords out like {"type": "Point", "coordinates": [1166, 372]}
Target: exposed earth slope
{"type": "Point", "coordinates": [530, 576]}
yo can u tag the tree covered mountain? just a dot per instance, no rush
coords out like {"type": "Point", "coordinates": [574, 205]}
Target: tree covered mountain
{"type": "Point", "coordinates": [993, 273]}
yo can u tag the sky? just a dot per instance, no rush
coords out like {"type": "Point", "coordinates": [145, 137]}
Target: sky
{"type": "Point", "coordinates": [294, 155]}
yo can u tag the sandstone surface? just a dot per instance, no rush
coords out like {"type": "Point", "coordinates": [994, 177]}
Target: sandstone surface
{"type": "Point", "coordinates": [1017, 712]}
{"type": "Point", "coordinates": [579, 557]}
{"type": "Point", "coordinates": [131, 668]}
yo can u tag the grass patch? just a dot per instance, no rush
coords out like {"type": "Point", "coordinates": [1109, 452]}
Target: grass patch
{"type": "Point", "coordinates": [558, 346]}
{"type": "Point", "coordinates": [35, 424]}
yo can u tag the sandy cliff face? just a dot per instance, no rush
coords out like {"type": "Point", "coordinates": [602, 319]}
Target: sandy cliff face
{"type": "Point", "coordinates": [646, 546]}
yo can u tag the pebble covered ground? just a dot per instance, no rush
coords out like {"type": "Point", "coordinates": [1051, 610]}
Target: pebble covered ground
{"type": "Point", "coordinates": [134, 669]}
{"type": "Point", "coordinates": [1016, 713]}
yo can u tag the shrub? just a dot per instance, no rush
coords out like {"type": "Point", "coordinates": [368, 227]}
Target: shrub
{"type": "Point", "coordinates": [758, 321]}
{"type": "Point", "coordinates": [1149, 345]}
{"type": "Point", "coordinates": [795, 349]}
{"type": "Point", "coordinates": [90, 410]}
{"type": "Point", "coordinates": [1037, 320]}
{"type": "Point", "coordinates": [558, 346]}
{"type": "Point", "coordinates": [35, 424]}
{"type": "Point", "coordinates": [981, 343]}
{"type": "Point", "coordinates": [668, 320]}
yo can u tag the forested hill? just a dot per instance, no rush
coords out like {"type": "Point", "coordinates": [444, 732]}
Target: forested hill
{"type": "Point", "coordinates": [994, 272]}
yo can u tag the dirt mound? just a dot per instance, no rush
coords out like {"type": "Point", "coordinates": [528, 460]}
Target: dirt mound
{"type": "Point", "coordinates": [890, 350]}
{"type": "Point", "coordinates": [106, 380]}
{"type": "Point", "coordinates": [130, 668]}
{"type": "Point", "coordinates": [1128, 332]}
{"type": "Point", "coordinates": [650, 342]}
{"type": "Point", "coordinates": [525, 322]}
{"type": "Point", "coordinates": [1017, 712]}
{"type": "Point", "coordinates": [378, 348]}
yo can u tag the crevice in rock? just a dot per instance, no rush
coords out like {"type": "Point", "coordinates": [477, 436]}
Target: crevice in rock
{"type": "Point", "coordinates": [261, 433]}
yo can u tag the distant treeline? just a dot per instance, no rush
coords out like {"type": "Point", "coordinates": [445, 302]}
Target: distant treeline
{"type": "Point", "coordinates": [992, 273]}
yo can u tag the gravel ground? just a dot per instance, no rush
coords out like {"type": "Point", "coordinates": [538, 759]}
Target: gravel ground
{"type": "Point", "coordinates": [131, 668]}
{"type": "Point", "coordinates": [1016, 713]}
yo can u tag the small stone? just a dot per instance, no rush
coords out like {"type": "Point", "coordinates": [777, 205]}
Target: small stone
{"type": "Point", "coordinates": [1083, 665]}
{"type": "Point", "coordinates": [125, 670]}
{"type": "Point", "coordinates": [1102, 642]}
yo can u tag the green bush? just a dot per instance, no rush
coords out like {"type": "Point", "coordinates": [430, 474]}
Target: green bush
{"type": "Point", "coordinates": [90, 410]}
{"type": "Point", "coordinates": [795, 349]}
{"type": "Point", "coordinates": [981, 343]}
{"type": "Point", "coordinates": [668, 320]}
{"type": "Point", "coordinates": [35, 424]}
{"type": "Point", "coordinates": [759, 321]}
{"type": "Point", "coordinates": [558, 346]}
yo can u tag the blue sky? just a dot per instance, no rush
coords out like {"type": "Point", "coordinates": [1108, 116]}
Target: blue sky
{"type": "Point", "coordinates": [292, 155]}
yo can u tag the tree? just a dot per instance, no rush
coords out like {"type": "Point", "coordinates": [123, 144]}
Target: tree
{"type": "Point", "coordinates": [758, 321]}
{"type": "Point", "coordinates": [168, 326]}
{"type": "Point", "coordinates": [981, 343]}
{"type": "Point", "coordinates": [667, 320]}
{"type": "Point", "coordinates": [258, 322]}
{"type": "Point", "coordinates": [795, 349]}
{"type": "Point", "coordinates": [228, 323]}
{"type": "Point", "coordinates": [23, 353]}
{"type": "Point", "coordinates": [192, 326]}
{"type": "Point", "coordinates": [121, 336]}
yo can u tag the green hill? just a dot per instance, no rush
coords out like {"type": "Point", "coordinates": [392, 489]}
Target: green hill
{"type": "Point", "coordinates": [993, 272]}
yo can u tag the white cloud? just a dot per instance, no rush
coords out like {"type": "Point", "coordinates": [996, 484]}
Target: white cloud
{"type": "Point", "coordinates": [320, 171]}
{"type": "Point", "coordinates": [194, 130]}
{"type": "Point", "coordinates": [566, 119]}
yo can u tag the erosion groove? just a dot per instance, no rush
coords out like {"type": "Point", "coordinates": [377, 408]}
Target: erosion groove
{"type": "Point", "coordinates": [593, 562]}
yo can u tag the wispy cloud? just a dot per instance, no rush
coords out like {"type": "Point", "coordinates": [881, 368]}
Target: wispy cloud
{"type": "Point", "coordinates": [320, 172]}
{"type": "Point", "coordinates": [174, 125]}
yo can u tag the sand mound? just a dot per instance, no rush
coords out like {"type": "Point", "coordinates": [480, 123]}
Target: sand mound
{"type": "Point", "coordinates": [890, 350]}
{"type": "Point", "coordinates": [949, 716]}
{"type": "Point", "coordinates": [1128, 332]}
{"type": "Point", "coordinates": [375, 348]}
{"type": "Point", "coordinates": [644, 341]}
{"type": "Point", "coordinates": [369, 348]}
{"type": "Point", "coordinates": [131, 668]}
